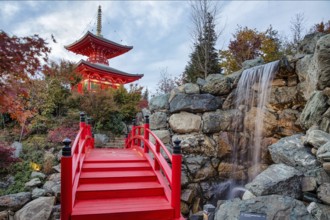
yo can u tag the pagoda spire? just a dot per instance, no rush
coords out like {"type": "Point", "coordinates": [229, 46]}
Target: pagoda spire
{"type": "Point", "coordinates": [99, 22]}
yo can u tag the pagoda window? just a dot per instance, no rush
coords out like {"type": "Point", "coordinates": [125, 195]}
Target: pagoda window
{"type": "Point", "coordinates": [95, 86]}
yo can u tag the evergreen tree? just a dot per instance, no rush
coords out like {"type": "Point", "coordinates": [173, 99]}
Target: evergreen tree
{"type": "Point", "coordinates": [204, 59]}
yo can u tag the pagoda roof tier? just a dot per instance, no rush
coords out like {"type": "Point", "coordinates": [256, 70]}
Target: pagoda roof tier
{"type": "Point", "coordinates": [90, 43]}
{"type": "Point", "coordinates": [106, 73]}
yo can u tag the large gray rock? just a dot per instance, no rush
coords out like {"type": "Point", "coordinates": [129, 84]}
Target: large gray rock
{"type": "Point", "coordinates": [323, 193]}
{"type": "Point", "coordinates": [228, 120]}
{"type": "Point", "coordinates": [33, 183]}
{"type": "Point", "coordinates": [319, 211]}
{"type": "Point", "coordinates": [185, 122]}
{"type": "Point", "coordinates": [158, 120]}
{"type": "Point", "coordinates": [163, 135]}
{"type": "Point", "coordinates": [17, 149]}
{"type": "Point", "coordinates": [277, 179]}
{"type": "Point", "coordinates": [159, 102]}
{"type": "Point", "coordinates": [292, 152]}
{"type": "Point", "coordinates": [14, 201]}
{"type": "Point", "coordinates": [194, 103]}
{"type": "Point", "coordinates": [308, 44]}
{"type": "Point", "coordinates": [316, 138]}
{"type": "Point", "coordinates": [275, 207]}
{"type": "Point", "coordinates": [197, 143]}
{"type": "Point", "coordinates": [38, 209]}
{"type": "Point", "coordinates": [313, 111]}
{"type": "Point", "coordinates": [37, 192]}
{"type": "Point", "coordinates": [322, 58]}
{"type": "Point", "coordinates": [217, 84]}
{"type": "Point", "coordinates": [283, 96]}
{"type": "Point", "coordinates": [190, 88]}
{"type": "Point", "coordinates": [251, 63]}
{"type": "Point", "coordinates": [323, 153]}
{"type": "Point", "coordinates": [39, 175]}
{"type": "Point", "coordinates": [269, 121]}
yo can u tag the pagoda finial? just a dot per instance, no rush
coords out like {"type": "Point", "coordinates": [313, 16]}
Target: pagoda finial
{"type": "Point", "coordinates": [99, 22]}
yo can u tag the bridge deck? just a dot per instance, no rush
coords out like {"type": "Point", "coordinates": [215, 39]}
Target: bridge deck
{"type": "Point", "coordinates": [119, 184]}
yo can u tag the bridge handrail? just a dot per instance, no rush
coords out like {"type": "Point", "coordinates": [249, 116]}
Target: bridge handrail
{"type": "Point", "coordinates": [173, 175]}
{"type": "Point", "coordinates": [71, 165]}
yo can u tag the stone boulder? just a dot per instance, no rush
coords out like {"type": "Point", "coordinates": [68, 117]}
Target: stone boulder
{"type": "Point", "coordinates": [185, 122]}
{"type": "Point", "coordinates": [37, 192]}
{"type": "Point", "coordinates": [323, 153]}
{"type": "Point", "coordinates": [252, 63]}
{"type": "Point", "coordinates": [163, 135]}
{"type": "Point", "coordinates": [194, 103]}
{"type": "Point", "coordinates": [229, 120]}
{"type": "Point", "coordinates": [292, 152]}
{"type": "Point", "coordinates": [217, 84]}
{"type": "Point", "coordinates": [323, 193]}
{"type": "Point", "coordinates": [159, 102]}
{"type": "Point", "coordinates": [316, 138]}
{"type": "Point", "coordinates": [38, 209]}
{"type": "Point", "coordinates": [287, 125]}
{"type": "Point", "coordinates": [197, 144]}
{"type": "Point", "coordinates": [275, 207]}
{"type": "Point", "coordinates": [158, 120]}
{"type": "Point", "coordinates": [277, 179]}
{"type": "Point", "coordinates": [319, 211]}
{"type": "Point", "coordinates": [232, 171]}
{"type": "Point", "coordinates": [308, 44]}
{"type": "Point", "coordinates": [190, 88]}
{"type": "Point", "coordinates": [313, 111]}
{"type": "Point", "coordinates": [283, 96]}
{"type": "Point", "coordinates": [322, 57]}
{"type": "Point", "coordinates": [35, 182]}
{"type": "Point", "coordinates": [269, 121]}
{"type": "Point", "coordinates": [14, 201]}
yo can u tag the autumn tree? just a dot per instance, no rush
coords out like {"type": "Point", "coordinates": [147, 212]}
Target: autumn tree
{"type": "Point", "coordinates": [249, 44]}
{"type": "Point", "coordinates": [204, 58]}
{"type": "Point", "coordinates": [20, 59]}
{"type": "Point", "coordinates": [166, 82]}
{"type": "Point", "coordinates": [322, 27]}
{"type": "Point", "coordinates": [48, 94]}
{"type": "Point", "coordinates": [297, 30]}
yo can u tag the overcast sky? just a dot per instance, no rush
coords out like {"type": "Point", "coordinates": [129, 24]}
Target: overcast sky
{"type": "Point", "coordinates": [159, 31]}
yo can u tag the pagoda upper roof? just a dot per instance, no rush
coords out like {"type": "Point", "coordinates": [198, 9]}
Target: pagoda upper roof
{"type": "Point", "coordinates": [91, 42]}
{"type": "Point", "coordinates": [107, 72]}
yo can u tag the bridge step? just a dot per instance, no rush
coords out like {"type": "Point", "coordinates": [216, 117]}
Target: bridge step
{"type": "Point", "coordinates": [119, 190]}
{"type": "Point", "coordinates": [140, 208]}
{"type": "Point", "coordinates": [117, 176]}
{"type": "Point", "coordinates": [114, 166]}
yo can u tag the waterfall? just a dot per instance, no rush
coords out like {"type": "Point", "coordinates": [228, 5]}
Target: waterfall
{"type": "Point", "coordinates": [251, 97]}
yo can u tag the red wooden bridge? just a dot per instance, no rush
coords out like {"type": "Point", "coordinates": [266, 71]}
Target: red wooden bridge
{"type": "Point", "coordinates": [135, 183]}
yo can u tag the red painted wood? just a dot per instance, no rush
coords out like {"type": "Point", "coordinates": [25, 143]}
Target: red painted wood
{"type": "Point", "coordinates": [120, 184]}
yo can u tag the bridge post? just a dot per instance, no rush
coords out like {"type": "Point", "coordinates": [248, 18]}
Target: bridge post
{"type": "Point", "coordinates": [176, 178]}
{"type": "Point", "coordinates": [82, 125]}
{"type": "Point", "coordinates": [90, 131]}
{"type": "Point", "coordinates": [146, 133]}
{"type": "Point", "coordinates": [66, 180]}
{"type": "Point", "coordinates": [133, 132]}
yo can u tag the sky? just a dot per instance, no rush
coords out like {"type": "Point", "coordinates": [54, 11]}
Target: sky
{"type": "Point", "coordinates": [159, 31]}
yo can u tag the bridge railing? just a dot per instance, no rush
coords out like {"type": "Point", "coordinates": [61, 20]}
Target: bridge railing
{"type": "Point", "coordinates": [142, 138]}
{"type": "Point", "coordinates": [71, 165]}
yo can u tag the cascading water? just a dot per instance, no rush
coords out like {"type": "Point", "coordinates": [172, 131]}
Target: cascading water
{"type": "Point", "coordinates": [251, 97]}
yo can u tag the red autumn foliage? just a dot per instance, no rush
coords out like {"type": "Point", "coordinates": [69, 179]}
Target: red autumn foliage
{"type": "Point", "coordinates": [6, 156]}
{"type": "Point", "coordinates": [58, 134]}
{"type": "Point", "coordinates": [20, 58]}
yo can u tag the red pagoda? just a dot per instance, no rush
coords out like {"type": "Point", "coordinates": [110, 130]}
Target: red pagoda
{"type": "Point", "coordinates": [96, 72]}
